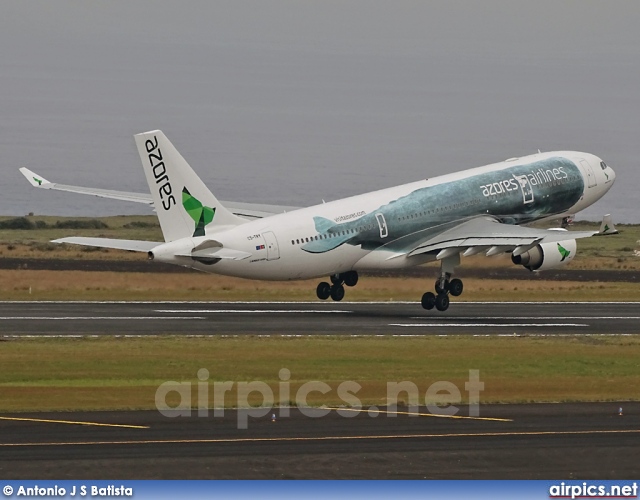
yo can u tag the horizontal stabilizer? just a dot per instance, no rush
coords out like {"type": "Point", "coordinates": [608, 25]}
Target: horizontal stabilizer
{"type": "Point", "coordinates": [132, 245]}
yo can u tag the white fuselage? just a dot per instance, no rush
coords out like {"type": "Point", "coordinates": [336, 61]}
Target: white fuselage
{"type": "Point", "coordinates": [388, 222]}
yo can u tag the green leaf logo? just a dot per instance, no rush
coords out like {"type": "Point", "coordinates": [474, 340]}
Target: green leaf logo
{"type": "Point", "coordinates": [200, 214]}
{"type": "Point", "coordinates": [39, 181]}
{"type": "Point", "coordinates": [564, 252]}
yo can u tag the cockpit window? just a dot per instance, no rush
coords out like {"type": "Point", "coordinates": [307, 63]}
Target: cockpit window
{"type": "Point", "coordinates": [603, 165]}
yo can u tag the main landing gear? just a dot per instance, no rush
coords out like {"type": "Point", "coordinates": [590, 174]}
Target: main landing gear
{"type": "Point", "coordinates": [336, 289]}
{"type": "Point", "coordinates": [444, 286]}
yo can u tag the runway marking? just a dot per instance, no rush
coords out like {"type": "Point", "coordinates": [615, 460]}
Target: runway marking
{"type": "Point", "coordinates": [493, 325]}
{"type": "Point", "coordinates": [93, 318]}
{"type": "Point", "coordinates": [528, 318]}
{"type": "Point", "coordinates": [325, 438]}
{"type": "Point", "coordinates": [435, 415]}
{"type": "Point", "coordinates": [253, 311]}
{"type": "Point", "coordinates": [71, 422]}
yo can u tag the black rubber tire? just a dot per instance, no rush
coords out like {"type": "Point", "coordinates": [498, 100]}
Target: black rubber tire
{"type": "Point", "coordinates": [337, 292]}
{"type": "Point", "coordinates": [323, 291]}
{"type": "Point", "coordinates": [456, 287]}
{"type": "Point", "coordinates": [350, 278]}
{"type": "Point", "coordinates": [428, 301]}
{"type": "Point", "coordinates": [336, 279]}
{"type": "Point", "coordinates": [440, 290]}
{"type": "Point", "coordinates": [442, 302]}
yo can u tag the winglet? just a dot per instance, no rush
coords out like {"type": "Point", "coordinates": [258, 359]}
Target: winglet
{"type": "Point", "coordinates": [607, 226]}
{"type": "Point", "coordinates": [33, 178]}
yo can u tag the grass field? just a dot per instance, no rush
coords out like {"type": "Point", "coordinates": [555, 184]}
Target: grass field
{"type": "Point", "coordinates": [110, 373]}
{"type": "Point", "coordinates": [611, 252]}
{"type": "Point", "coordinates": [25, 284]}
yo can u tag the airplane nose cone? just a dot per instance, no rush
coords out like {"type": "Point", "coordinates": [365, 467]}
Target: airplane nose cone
{"type": "Point", "coordinates": [609, 173]}
{"type": "Point", "coordinates": [612, 175]}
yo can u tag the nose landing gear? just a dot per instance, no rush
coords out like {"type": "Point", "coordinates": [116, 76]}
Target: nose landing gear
{"type": "Point", "coordinates": [336, 289]}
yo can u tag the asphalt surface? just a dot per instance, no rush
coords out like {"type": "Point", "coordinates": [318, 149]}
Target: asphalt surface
{"type": "Point", "coordinates": [564, 441]}
{"type": "Point", "coordinates": [314, 318]}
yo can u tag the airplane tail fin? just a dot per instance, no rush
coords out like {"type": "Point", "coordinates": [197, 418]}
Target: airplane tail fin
{"type": "Point", "coordinates": [184, 205]}
{"type": "Point", "coordinates": [607, 226]}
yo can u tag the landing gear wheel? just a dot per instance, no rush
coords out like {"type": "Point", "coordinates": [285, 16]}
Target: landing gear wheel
{"type": "Point", "coordinates": [442, 302]}
{"type": "Point", "coordinates": [428, 301]}
{"type": "Point", "coordinates": [336, 279]}
{"type": "Point", "coordinates": [439, 289]}
{"type": "Point", "coordinates": [350, 278]}
{"type": "Point", "coordinates": [455, 287]}
{"type": "Point", "coordinates": [323, 291]}
{"type": "Point", "coordinates": [337, 292]}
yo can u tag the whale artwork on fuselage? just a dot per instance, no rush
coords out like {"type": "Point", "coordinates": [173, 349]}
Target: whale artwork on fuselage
{"type": "Point", "coordinates": [480, 210]}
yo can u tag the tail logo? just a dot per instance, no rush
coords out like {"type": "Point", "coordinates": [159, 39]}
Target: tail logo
{"type": "Point", "coordinates": [563, 252]}
{"type": "Point", "coordinates": [200, 214]}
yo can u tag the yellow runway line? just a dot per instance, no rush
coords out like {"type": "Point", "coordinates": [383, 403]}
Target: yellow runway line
{"type": "Point", "coordinates": [327, 438]}
{"type": "Point", "coordinates": [435, 415]}
{"type": "Point", "coordinates": [70, 422]}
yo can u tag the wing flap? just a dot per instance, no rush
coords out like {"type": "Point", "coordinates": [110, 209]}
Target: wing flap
{"type": "Point", "coordinates": [486, 232]}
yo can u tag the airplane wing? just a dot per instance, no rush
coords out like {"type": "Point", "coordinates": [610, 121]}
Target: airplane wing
{"type": "Point", "coordinates": [485, 234]}
{"type": "Point", "coordinates": [246, 210]}
{"type": "Point", "coordinates": [40, 182]}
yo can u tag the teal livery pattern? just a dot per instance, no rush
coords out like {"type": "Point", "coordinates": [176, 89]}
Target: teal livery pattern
{"type": "Point", "coordinates": [515, 195]}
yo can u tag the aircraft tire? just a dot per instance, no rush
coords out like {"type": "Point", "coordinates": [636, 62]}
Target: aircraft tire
{"type": "Point", "coordinates": [456, 287]}
{"type": "Point", "coordinates": [442, 302]}
{"type": "Point", "coordinates": [428, 301]}
{"type": "Point", "coordinates": [337, 293]}
{"type": "Point", "coordinates": [323, 291]}
{"type": "Point", "coordinates": [439, 289]}
{"type": "Point", "coordinates": [350, 278]}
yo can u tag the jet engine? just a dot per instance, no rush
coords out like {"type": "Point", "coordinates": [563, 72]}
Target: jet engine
{"type": "Point", "coordinates": [547, 255]}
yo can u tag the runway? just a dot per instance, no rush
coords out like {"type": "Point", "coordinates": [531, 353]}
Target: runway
{"type": "Point", "coordinates": [514, 441]}
{"type": "Point", "coordinates": [315, 318]}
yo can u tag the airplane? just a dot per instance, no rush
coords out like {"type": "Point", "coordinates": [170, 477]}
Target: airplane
{"type": "Point", "coordinates": [484, 210]}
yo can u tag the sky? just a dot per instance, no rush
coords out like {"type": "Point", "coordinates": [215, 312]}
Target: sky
{"type": "Point", "coordinates": [295, 102]}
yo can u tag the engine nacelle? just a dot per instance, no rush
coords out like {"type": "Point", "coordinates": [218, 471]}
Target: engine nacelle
{"type": "Point", "coordinates": [547, 255]}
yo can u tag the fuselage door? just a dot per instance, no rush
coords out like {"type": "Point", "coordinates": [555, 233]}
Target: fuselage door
{"type": "Point", "coordinates": [273, 252]}
{"type": "Point", "coordinates": [526, 188]}
{"type": "Point", "coordinates": [588, 170]}
{"type": "Point", "coordinates": [382, 224]}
